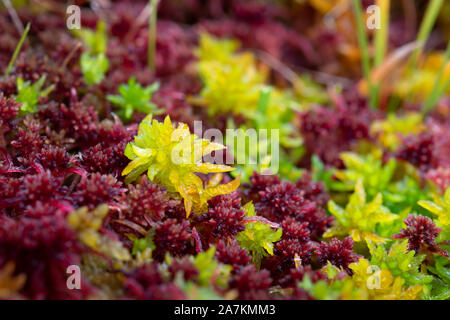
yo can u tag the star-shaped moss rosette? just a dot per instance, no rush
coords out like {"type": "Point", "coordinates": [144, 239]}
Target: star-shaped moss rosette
{"type": "Point", "coordinates": [94, 61]}
{"type": "Point", "coordinates": [133, 97]}
{"type": "Point", "coordinates": [172, 157]}
{"type": "Point", "coordinates": [369, 282]}
{"type": "Point", "coordinates": [400, 261]}
{"type": "Point", "coordinates": [404, 194]}
{"type": "Point", "coordinates": [440, 207]}
{"type": "Point", "coordinates": [369, 168]}
{"type": "Point", "coordinates": [360, 219]}
{"type": "Point", "coordinates": [232, 82]}
{"type": "Point", "coordinates": [28, 94]}
{"type": "Point", "coordinates": [389, 130]}
{"type": "Point", "coordinates": [87, 224]}
{"type": "Point", "coordinates": [258, 236]}
{"type": "Point", "coordinates": [381, 284]}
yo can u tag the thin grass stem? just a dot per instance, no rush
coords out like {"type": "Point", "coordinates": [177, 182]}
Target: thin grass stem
{"type": "Point", "coordinates": [17, 50]}
{"type": "Point", "coordinates": [152, 34]}
{"type": "Point", "coordinates": [364, 45]}
{"type": "Point", "coordinates": [381, 40]}
{"type": "Point", "coordinates": [426, 26]}
{"type": "Point", "coordinates": [438, 89]}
